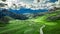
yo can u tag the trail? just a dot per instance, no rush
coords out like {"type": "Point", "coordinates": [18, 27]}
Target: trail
{"type": "Point", "coordinates": [41, 29]}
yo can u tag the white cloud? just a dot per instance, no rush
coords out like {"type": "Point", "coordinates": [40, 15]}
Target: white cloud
{"type": "Point", "coordinates": [17, 4]}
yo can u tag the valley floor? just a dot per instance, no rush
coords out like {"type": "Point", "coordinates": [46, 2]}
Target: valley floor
{"type": "Point", "coordinates": [33, 26]}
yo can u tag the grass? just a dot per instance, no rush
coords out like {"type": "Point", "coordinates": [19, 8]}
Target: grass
{"type": "Point", "coordinates": [21, 27]}
{"type": "Point", "coordinates": [32, 26]}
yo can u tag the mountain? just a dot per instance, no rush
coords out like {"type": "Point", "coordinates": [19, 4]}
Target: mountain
{"type": "Point", "coordinates": [37, 25]}
{"type": "Point", "coordinates": [5, 12]}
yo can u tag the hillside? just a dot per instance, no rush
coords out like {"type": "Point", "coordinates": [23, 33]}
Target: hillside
{"type": "Point", "coordinates": [47, 24]}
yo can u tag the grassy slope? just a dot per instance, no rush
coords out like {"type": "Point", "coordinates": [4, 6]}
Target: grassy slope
{"type": "Point", "coordinates": [21, 27]}
{"type": "Point", "coordinates": [52, 27]}
{"type": "Point", "coordinates": [32, 26]}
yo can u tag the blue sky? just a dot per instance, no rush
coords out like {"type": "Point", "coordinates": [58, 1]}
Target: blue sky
{"type": "Point", "coordinates": [53, 0]}
{"type": "Point", "coordinates": [30, 1]}
{"type": "Point", "coordinates": [24, 10]}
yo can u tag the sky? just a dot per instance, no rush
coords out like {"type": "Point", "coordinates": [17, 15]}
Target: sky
{"type": "Point", "coordinates": [28, 6]}
{"type": "Point", "coordinates": [24, 10]}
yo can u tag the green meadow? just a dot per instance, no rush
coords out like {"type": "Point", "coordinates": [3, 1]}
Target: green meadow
{"type": "Point", "coordinates": [33, 25]}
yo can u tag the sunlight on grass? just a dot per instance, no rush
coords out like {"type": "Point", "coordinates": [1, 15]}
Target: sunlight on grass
{"type": "Point", "coordinates": [32, 26]}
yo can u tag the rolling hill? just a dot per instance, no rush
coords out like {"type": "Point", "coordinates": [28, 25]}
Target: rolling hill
{"type": "Point", "coordinates": [33, 25]}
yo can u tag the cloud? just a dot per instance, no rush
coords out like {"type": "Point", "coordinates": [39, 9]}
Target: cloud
{"type": "Point", "coordinates": [17, 4]}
